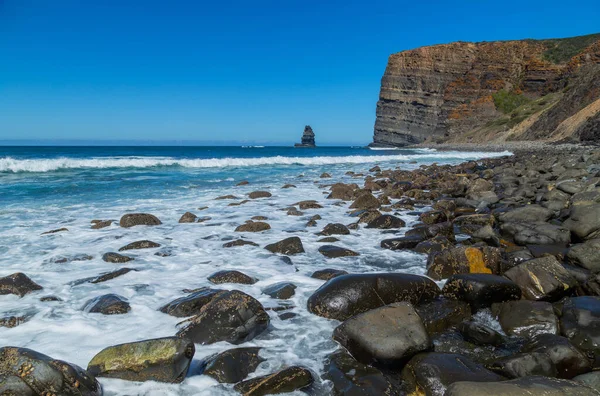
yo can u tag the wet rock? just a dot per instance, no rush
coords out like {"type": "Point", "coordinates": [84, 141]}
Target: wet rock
{"type": "Point", "coordinates": [480, 334]}
{"type": "Point", "coordinates": [25, 372]}
{"type": "Point", "coordinates": [259, 218]}
{"type": "Point", "coordinates": [101, 224]}
{"type": "Point", "coordinates": [542, 279]}
{"type": "Point", "coordinates": [230, 316]}
{"type": "Point", "coordinates": [112, 257]}
{"type": "Point", "coordinates": [328, 240]}
{"type": "Point", "coordinates": [332, 251]}
{"type": "Point", "coordinates": [223, 197]}
{"type": "Point", "coordinates": [188, 217]}
{"type": "Point", "coordinates": [282, 290]}
{"type": "Point", "coordinates": [253, 226]}
{"type": "Point", "coordinates": [259, 194]}
{"type": "Point", "coordinates": [432, 373]}
{"type": "Point", "coordinates": [283, 381]}
{"type": "Point", "coordinates": [231, 276]}
{"type": "Point", "coordinates": [342, 191]}
{"type": "Point", "coordinates": [433, 217]}
{"type": "Point", "coordinates": [19, 284]}
{"type": "Point", "coordinates": [335, 229]}
{"type": "Point", "coordinates": [524, 365]}
{"type": "Point", "coordinates": [191, 304]}
{"type": "Point", "coordinates": [405, 242]}
{"type": "Point", "coordinates": [526, 386]}
{"type": "Point", "coordinates": [135, 219]}
{"type": "Point", "coordinates": [49, 298]}
{"type": "Point", "coordinates": [537, 233]}
{"type": "Point", "coordinates": [433, 245]}
{"type": "Point", "coordinates": [468, 224]}
{"type": "Point", "coordinates": [328, 273]}
{"type": "Point", "coordinates": [163, 359]}
{"type": "Point", "coordinates": [243, 183]}
{"type": "Point", "coordinates": [526, 318]}
{"type": "Point", "coordinates": [111, 275]}
{"type": "Point", "coordinates": [580, 323]}
{"type": "Point", "coordinates": [233, 365]}
{"type": "Point", "coordinates": [304, 205]}
{"type": "Point", "coordinates": [242, 202]}
{"type": "Point", "coordinates": [584, 221]}
{"type": "Point", "coordinates": [69, 259]}
{"type": "Point", "coordinates": [108, 304]}
{"type": "Point", "coordinates": [288, 246]}
{"type": "Point", "coordinates": [386, 222]}
{"type": "Point", "coordinates": [55, 231]}
{"type": "Point", "coordinates": [140, 245]}
{"type": "Point", "coordinates": [463, 260]}
{"type": "Point", "coordinates": [526, 214]}
{"type": "Point", "coordinates": [13, 321]}
{"type": "Point", "coordinates": [365, 201]}
{"type": "Point", "coordinates": [590, 379]}
{"type": "Point", "coordinates": [481, 290]}
{"type": "Point", "coordinates": [387, 335]}
{"type": "Point", "coordinates": [288, 186]}
{"type": "Point", "coordinates": [568, 360]}
{"type": "Point", "coordinates": [325, 175]}
{"type": "Point", "coordinates": [294, 212]}
{"type": "Point", "coordinates": [348, 295]}
{"type": "Point", "coordinates": [429, 231]}
{"type": "Point", "coordinates": [239, 242]}
{"type": "Point", "coordinates": [586, 255]}
{"type": "Point", "coordinates": [440, 314]}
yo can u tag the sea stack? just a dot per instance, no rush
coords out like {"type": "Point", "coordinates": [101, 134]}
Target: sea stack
{"type": "Point", "coordinates": [308, 138]}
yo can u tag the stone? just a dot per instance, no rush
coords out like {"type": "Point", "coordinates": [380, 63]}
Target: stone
{"type": "Point", "coordinates": [135, 219]}
{"type": "Point", "coordinates": [480, 334]}
{"type": "Point", "coordinates": [463, 260]}
{"type": "Point", "coordinates": [325, 175]}
{"type": "Point", "coordinates": [328, 273]}
{"type": "Point", "coordinates": [281, 290]}
{"type": "Point", "coordinates": [526, 214]}
{"type": "Point", "coordinates": [253, 226]}
{"type": "Point", "coordinates": [430, 231]}
{"type": "Point", "coordinates": [537, 233]}
{"type": "Point", "coordinates": [586, 255]}
{"type": "Point", "coordinates": [140, 245]}
{"type": "Point", "coordinates": [55, 231]}
{"type": "Point", "coordinates": [441, 314]}
{"type": "Point", "coordinates": [584, 221]}
{"type": "Point", "coordinates": [365, 201]}
{"type": "Point", "coordinates": [525, 318]}
{"type": "Point", "coordinates": [580, 323]}
{"type": "Point", "coordinates": [524, 365]}
{"type": "Point", "coordinates": [287, 380]}
{"type": "Point", "coordinates": [162, 359]}
{"type": "Point", "coordinates": [542, 279]}
{"type": "Point", "coordinates": [342, 191]}
{"type": "Point", "coordinates": [468, 224]}
{"type": "Point", "coordinates": [481, 290]}
{"type": "Point", "coordinates": [335, 229]}
{"type": "Point", "coordinates": [526, 386]}
{"type": "Point", "coordinates": [231, 276]}
{"type": "Point", "coordinates": [223, 197]}
{"type": "Point", "coordinates": [18, 284]}
{"type": "Point", "coordinates": [328, 240]}
{"type": "Point", "coordinates": [433, 217]}
{"type": "Point", "coordinates": [568, 360]}
{"type": "Point", "coordinates": [112, 257]}
{"type": "Point", "coordinates": [348, 295]}
{"type": "Point", "coordinates": [288, 246]}
{"type": "Point", "coordinates": [107, 304]}
{"type": "Point", "coordinates": [400, 243]}
{"type": "Point", "coordinates": [388, 335]}
{"type": "Point", "coordinates": [111, 275]}
{"type": "Point", "coordinates": [259, 194]}
{"type": "Point", "coordinates": [243, 183]}
{"type": "Point", "coordinates": [308, 138]}
{"type": "Point", "coordinates": [188, 217]}
{"type": "Point", "coordinates": [589, 379]}
{"type": "Point", "coordinates": [332, 251]}
{"type": "Point", "coordinates": [191, 304]}
{"type": "Point", "coordinates": [386, 222]}
{"type": "Point", "coordinates": [232, 365]}
{"type": "Point", "coordinates": [433, 245]}
{"type": "Point", "coordinates": [231, 316]}
{"type": "Point", "coordinates": [239, 242]}
{"type": "Point", "coordinates": [25, 372]}
{"type": "Point", "coordinates": [101, 224]}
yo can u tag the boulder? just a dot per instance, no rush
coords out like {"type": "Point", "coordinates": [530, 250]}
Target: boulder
{"type": "Point", "coordinates": [405, 242]}
{"type": "Point", "coordinates": [440, 314]}
{"type": "Point", "coordinates": [231, 276]}
{"type": "Point", "coordinates": [328, 240]}
{"type": "Point", "coordinates": [230, 316]}
{"type": "Point", "coordinates": [116, 258]}
{"type": "Point", "coordinates": [386, 222]}
{"type": "Point", "coordinates": [580, 323]}
{"type": "Point", "coordinates": [342, 191]}
{"type": "Point", "coordinates": [584, 221]}
{"type": "Point", "coordinates": [140, 245]}
{"type": "Point", "coordinates": [586, 255]}
{"type": "Point", "coordinates": [188, 217]}
{"type": "Point", "coordinates": [433, 217]}
{"type": "Point", "coordinates": [284, 381]}
{"type": "Point", "coordinates": [55, 231]}
{"type": "Point", "coordinates": [25, 372]}
{"type": "Point", "coordinates": [19, 284]}
{"type": "Point", "coordinates": [526, 214]}
{"type": "Point", "coordinates": [135, 219]}
{"type": "Point", "coordinates": [542, 279]}
{"type": "Point", "coordinates": [239, 242]}
{"type": "Point", "coordinates": [366, 216]}
{"type": "Point", "coordinates": [304, 205]}
{"type": "Point", "coordinates": [525, 318]}
{"type": "Point", "coordinates": [481, 290]}
{"type": "Point", "coordinates": [335, 229]}
{"type": "Point", "coordinates": [162, 359]}
{"type": "Point", "coordinates": [253, 226]}
{"type": "Point", "coordinates": [101, 224]}
{"type": "Point", "coordinates": [191, 304]}
{"type": "Point", "coordinates": [526, 386]}
{"type": "Point", "coordinates": [568, 360]}
{"type": "Point", "coordinates": [111, 275]}
{"type": "Point", "coordinates": [332, 251]}
{"type": "Point", "coordinates": [468, 224]}
{"type": "Point", "coordinates": [429, 231]}
{"type": "Point", "coordinates": [365, 201]}
{"type": "Point", "coordinates": [480, 334]}
{"type": "Point", "coordinates": [328, 273]}
{"type": "Point", "coordinates": [259, 194]}
{"type": "Point", "coordinates": [281, 290]}
{"type": "Point", "coordinates": [107, 304]}
{"type": "Point", "coordinates": [348, 295]}
{"type": "Point", "coordinates": [433, 245]}
{"type": "Point", "coordinates": [388, 335]}
{"type": "Point", "coordinates": [524, 365]}
{"type": "Point", "coordinates": [231, 366]}
{"type": "Point", "coordinates": [289, 246]}
{"type": "Point", "coordinates": [463, 260]}
{"type": "Point", "coordinates": [589, 379]}
{"type": "Point", "coordinates": [537, 233]}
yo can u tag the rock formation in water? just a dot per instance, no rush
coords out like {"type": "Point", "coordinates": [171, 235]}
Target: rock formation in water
{"type": "Point", "coordinates": [308, 138]}
{"type": "Point", "coordinates": [492, 92]}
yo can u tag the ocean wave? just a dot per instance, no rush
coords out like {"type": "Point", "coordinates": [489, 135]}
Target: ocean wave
{"type": "Point", "coordinates": [12, 165]}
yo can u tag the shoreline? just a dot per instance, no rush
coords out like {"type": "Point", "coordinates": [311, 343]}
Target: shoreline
{"type": "Point", "coordinates": [507, 146]}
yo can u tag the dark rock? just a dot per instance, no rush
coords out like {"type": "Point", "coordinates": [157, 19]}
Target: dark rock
{"type": "Point", "coordinates": [537, 233]}
{"type": "Point", "coordinates": [480, 334]}
{"type": "Point", "coordinates": [25, 372]}
{"type": "Point", "coordinates": [405, 242]}
{"type": "Point", "coordinates": [526, 386]}
{"type": "Point", "coordinates": [348, 295]}
{"type": "Point", "coordinates": [440, 314]}
{"type": "Point", "coordinates": [49, 298]}
{"type": "Point", "coordinates": [233, 365]}
{"type": "Point", "coordinates": [526, 318]}
{"type": "Point", "coordinates": [328, 240]}
{"type": "Point", "coordinates": [253, 226]}
{"type": "Point", "coordinates": [284, 381]}
{"type": "Point", "coordinates": [135, 219]}
{"type": "Point", "coordinates": [580, 323]}
{"type": "Point", "coordinates": [590, 379]}
{"type": "Point", "coordinates": [231, 276]}
{"type": "Point", "coordinates": [386, 222]}
{"type": "Point", "coordinates": [327, 274]}
{"type": "Point", "coordinates": [13, 321]}
{"type": "Point", "coordinates": [191, 304]}
{"type": "Point", "coordinates": [140, 245]}
{"type": "Point", "coordinates": [331, 251]}
{"type": "Point", "coordinates": [468, 224]}
{"type": "Point", "coordinates": [584, 221]}
{"type": "Point", "coordinates": [294, 212]}
{"type": "Point", "coordinates": [282, 290]}
{"type": "Point", "coordinates": [463, 260]}
{"type": "Point", "coordinates": [55, 231]}
{"type": "Point", "coordinates": [259, 194]}
{"type": "Point", "coordinates": [289, 246]}
{"type": "Point", "coordinates": [335, 229]}
{"type": "Point", "coordinates": [526, 214]}
{"type": "Point", "coordinates": [568, 360]}
{"type": "Point", "coordinates": [19, 284]}
{"type": "Point", "coordinates": [365, 201]}
{"type": "Point", "coordinates": [524, 365]}
{"type": "Point", "coordinates": [430, 231]}
{"type": "Point", "coordinates": [223, 197]}
{"type": "Point", "coordinates": [101, 224]}
{"type": "Point", "coordinates": [239, 242]}
{"type": "Point", "coordinates": [387, 335]}
{"type": "Point", "coordinates": [112, 257]}
{"type": "Point", "coordinates": [342, 191]}
{"type": "Point", "coordinates": [243, 183]}
{"type": "Point", "coordinates": [325, 175]}
{"type": "Point", "coordinates": [542, 279]}
{"type": "Point", "coordinates": [288, 186]}
{"type": "Point", "coordinates": [481, 290]}
{"type": "Point", "coordinates": [586, 255]}
{"type": "Point", "coordinates": [188, 217]}
{"type": "Point", "coordinates": [108, 304]}
{"type": "Point", "coordinates": [111, 275]}
{"type": "Point", "coordinates": [433, 217]}
{"type": "Point", "coordinates": [230, 316]}
{"type": "Point", "coordinates": [433, 245]}
{"type": "Point", "coordinates": [163, 359]}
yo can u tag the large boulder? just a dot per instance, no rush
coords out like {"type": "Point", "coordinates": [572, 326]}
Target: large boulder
{"type": "Point", "coordinates": [440, 314]}
{"type": "Point", "coordinates": [188, 217]}
{"type": "Point", "coordinates": [387, 335]}
{"type": "Point", "coordinates": [542, 279]}
{"type": "Point", "coordinates": [332, 251]}
{"type": "Point", "coordinates": [284, 381]}
{"type": "Point", "coordinates": [163, 359]}
{"type": "Point", "coordinates": [253, 226]}
{"type": "Point", "coordinates": [328, 273]}
{"type": "Point", "coordinates": [24, 372]}
{"type": "Point", "coordinates": [525, 318]}
{"type": "Point", "coordinates": [191, 304]}
{"type": "Point", "coordinates": [19, 284]}
{"type": "Point", "coordinates": [468, 224]}
{"type": "Point", "coordinates": [526, 386]}
{"type": "Point", "coordinates": [386, 222]}
{"type": "Point", "coordinates": [335, 229]}
{"type": "Point", "coordinates": [430, 231]}
{"type": "Point", "coordinates": [524, 365]}
{"type": "Point", "coordinates": [342, 191]}
{"type": "Point", "coordinates": [463, 260]}
{"type": "Point", "coordinates": [233, 365]}
{"type": "Point", "coordinates": [481, 290]}
{"type": "Point", "coordinates": [365, 201]}
{"type": "Point", "coordinates": [405, 242]}
{"type": "Point", "coordinates": [281, 290]}
{"type": "Point", "coordinates": [480, 334]}
{"type": "Point", "coordinates": [586, 255]}
{"type": "Point", "coordinates": [568, 360]}
{"type": "Point", "coordinates": [584, 221]}
{"type": "Point", "coordinates": [348, 295]}
{"type": "Point", "coordinates": [231, 276]}
{"type": "Point", "coordinates": [107, 304]}
{"type": "Point", "coordinates": [289, 246]}
{"type": "Point", "coordinates": [580, 323]}
{"type": "Point", "coordinates": [537, 233]}
{"type": "Point", "coordinates": [140, 245]}
{"type": "Point", "coordinates": [526, 214]}
{"type": "Point", "coordinates": [230, 316]}
{"type": "Point", "coordinates": [135, 219]}
{"type": "Point", "coordinates": [116, 258]}
{"type": "Point", "coordinates": [259, 194]}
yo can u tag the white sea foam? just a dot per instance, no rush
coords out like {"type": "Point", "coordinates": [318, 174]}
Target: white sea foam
{"type": "Point", "coordinates": [12, 165]}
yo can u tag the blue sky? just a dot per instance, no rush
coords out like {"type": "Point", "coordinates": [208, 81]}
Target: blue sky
{"type": "Point", "coordinates": [231, 71]}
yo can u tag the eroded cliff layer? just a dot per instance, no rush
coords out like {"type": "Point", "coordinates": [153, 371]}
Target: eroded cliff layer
{"type": "Point", "coordinates": [491, 91]}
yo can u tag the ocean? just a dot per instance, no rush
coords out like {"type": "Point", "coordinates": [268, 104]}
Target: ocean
{"type": "Point", "coordinates": [46, 188]}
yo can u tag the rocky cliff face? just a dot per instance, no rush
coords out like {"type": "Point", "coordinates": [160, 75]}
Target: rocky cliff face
{"type": "Point", "coordinates": [491, 91]}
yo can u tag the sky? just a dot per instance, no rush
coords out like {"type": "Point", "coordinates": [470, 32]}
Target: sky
{"type": "Point", "coordinates": [231, 71]}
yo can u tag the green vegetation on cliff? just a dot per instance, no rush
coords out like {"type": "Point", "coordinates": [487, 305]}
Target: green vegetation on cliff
{"type": "Point", "coordinates": [507, 101]}
{"type": "Point", "coordinates": [562, 50]}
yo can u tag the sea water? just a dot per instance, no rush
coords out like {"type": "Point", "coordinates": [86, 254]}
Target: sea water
{"type": "Point", "coordinates": [46, 188]}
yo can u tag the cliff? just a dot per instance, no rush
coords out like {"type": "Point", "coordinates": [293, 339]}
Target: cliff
{"type": "Point", "coordinates": [491, 92]}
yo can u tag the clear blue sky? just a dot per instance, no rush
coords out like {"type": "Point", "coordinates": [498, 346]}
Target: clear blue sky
{"type": "Point", "coordinates": [231, 71]}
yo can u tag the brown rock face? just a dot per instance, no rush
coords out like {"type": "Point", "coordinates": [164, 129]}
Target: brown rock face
{"type": "Point", "coordinates": [445, 92]}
